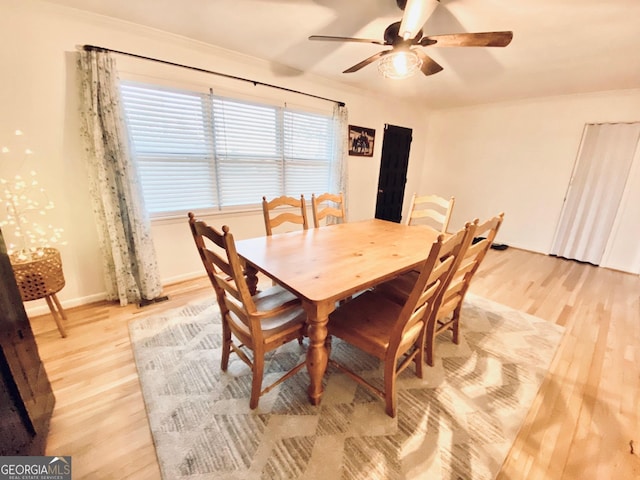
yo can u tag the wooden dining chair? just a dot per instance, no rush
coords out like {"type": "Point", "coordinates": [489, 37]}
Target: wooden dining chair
{"type": "Point", "coordinates": [260, 323]}
{"type": "Point", "coordinates": [274, 215]}
{"type": "Point", "coordinates": [395, 333]}
{"type": "Point", "coordinates": [448, 315]}
{"type": "Point", "coordinates": [431, 210]}
{"type": "Point", "coordinates": [327, 205]}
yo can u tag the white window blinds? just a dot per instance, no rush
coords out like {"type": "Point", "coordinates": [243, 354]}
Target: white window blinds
{"type": "Point", "coordinates": [308, 151]}
{"type": "Point", "coordinates": [200, 151]}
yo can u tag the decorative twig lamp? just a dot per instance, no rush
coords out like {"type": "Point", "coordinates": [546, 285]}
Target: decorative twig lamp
{"type": "Point", "coordinates": [36, 264]}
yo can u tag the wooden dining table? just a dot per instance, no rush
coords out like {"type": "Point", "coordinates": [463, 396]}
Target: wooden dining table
{"type": "Point", "coordinates": [325, 265]}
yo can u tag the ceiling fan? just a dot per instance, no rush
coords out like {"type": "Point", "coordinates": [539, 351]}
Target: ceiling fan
{"type": "Point", "coordinates": [405, 37]}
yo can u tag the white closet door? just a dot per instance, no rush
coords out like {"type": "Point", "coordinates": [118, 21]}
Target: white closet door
{"type": "Point", "coordinates": [595, 191]}
{"type": "Point", "coordinates": [623, 248]}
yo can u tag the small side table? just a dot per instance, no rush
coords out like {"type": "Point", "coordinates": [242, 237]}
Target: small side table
{"type": "Point", "coordinates": [41, 276]}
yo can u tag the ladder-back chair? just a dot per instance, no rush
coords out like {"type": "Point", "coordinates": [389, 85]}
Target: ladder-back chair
{"type": "Point", "coordinates": [327, 205]}
{"type": "Point", "coordinates": [262, 322]}
{"type": "Point", "coordinates": [391, 332]}
{"type": "Point", "coordinates": [431, 210]}
{"type": "Point", "coordinates": [448, 316]}
{"type": "Point", "coordinates": [274, 215]}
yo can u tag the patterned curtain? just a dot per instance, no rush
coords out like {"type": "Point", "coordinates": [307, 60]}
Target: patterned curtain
{"type": "Point", "coordinates": [339, 174]}
{"type": "Point", "coordinates": [124, 229]}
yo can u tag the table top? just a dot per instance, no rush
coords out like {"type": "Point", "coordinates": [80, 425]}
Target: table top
{"type": "Point", "coordinates": [336, 261]}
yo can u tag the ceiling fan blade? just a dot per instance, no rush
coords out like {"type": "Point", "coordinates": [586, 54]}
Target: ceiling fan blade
{"type": "Point", "coordinates": [484, 39]}
{"type": "Point", "coordinates": [429, 65]}
{"type": "Point", "coordinates": [416, 13]}
{"type": "Point", "coordinates": [345, 39]}
{"type": "Point", "coordinates": [367, 61]}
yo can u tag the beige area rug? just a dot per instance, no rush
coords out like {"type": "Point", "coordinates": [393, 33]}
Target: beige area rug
{"type": "Point", "coordinates": [459, 422]}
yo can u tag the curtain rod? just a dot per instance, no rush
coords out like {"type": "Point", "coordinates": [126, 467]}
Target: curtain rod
{"type": "Point", "coordinates": [90, 48]}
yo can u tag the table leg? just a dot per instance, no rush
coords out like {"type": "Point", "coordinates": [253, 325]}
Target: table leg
{"type": "Point", "coordinates": [317, 353]}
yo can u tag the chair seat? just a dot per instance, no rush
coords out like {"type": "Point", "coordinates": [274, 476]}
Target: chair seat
{"type": "Point", "coordinates": [289, 320]}
{"type": "Point", "coordinates": [273, 297]}
{"type": "Point", "coordinates": [398, 289]}
{"type": "Point", "coordinates": [366, 322]}
{"type": "Point", "coordinates": [449, 305]}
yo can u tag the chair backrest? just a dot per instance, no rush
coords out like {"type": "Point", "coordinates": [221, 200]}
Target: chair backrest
{"type": "Point", "coordinates": [431, 210]}
{"type": "Point", "coordinates": [225, 270]}
{"type": "Point", "coordinates": [272, 218]}
{"type": "Point", "coordinates": [471, 259]}
{"type": "Point", "coordinates": [425, 297]}
{"type": "Point", "coordinates": [327, 205]}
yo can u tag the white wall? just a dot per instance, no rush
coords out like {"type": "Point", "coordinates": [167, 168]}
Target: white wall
{"type": "Point", "coordinates": [38, 94]}
{"type": "Point", "coordinates": [515, 157]}
{"type": "Point", "coordinates": [518, 158]}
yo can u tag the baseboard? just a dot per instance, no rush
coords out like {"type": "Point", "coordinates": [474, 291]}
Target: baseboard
{"type": "Point", "coordinates": [183, 278]}
{"type": "Point", "coordinates": [528, 250]}
{"type": "Point", "coordinates": [39, 307]}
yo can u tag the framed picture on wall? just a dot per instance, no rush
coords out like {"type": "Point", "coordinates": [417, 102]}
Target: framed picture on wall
{"type": "Point", "coordinates": [361, 141]}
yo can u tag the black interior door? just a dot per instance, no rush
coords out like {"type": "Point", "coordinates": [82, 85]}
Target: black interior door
{"type": "Point", "coordinates": [396, 145]}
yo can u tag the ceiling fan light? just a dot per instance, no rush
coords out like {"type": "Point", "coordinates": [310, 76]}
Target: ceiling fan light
{"type": "Point", "coordinates": [401, 64]}
{"type": "Point", "coordinates": [416, 13]}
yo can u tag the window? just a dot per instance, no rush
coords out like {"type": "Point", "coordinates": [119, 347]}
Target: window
{"type": "Point", "coordinates": [201, 151]}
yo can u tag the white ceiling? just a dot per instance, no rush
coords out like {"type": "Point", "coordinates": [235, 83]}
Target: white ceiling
{"type": "Point", "coordinates": [559, 46]}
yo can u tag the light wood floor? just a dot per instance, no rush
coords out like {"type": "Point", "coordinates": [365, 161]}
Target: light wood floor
{"type": "Point", "coordinates": [580, 426]}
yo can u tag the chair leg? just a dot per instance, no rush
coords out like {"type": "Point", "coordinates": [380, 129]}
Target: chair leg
{"type": "Point", "coordinates": [226, 345]}
{"type": "Point", "coordinates": [256, 381]}
{"type": "Point", "coordinates": [455, 325]}
{"type": "Point", "coordinates": [390, 388]}
{"type": "Point", "coordinates": [430, 340]}
{"type": "Point", "coordinates": [419, 360]}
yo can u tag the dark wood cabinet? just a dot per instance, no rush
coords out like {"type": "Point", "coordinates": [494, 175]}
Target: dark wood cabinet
{"type": "Point", "coordinates": [26, 398]}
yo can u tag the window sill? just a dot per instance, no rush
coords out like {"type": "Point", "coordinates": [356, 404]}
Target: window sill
{"type": "Point", "coordinates": [175, 217]}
